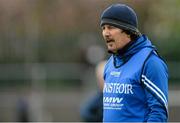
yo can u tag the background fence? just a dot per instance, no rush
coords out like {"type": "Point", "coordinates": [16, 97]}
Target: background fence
{"type": "Point", "coordinates": [56, 91]}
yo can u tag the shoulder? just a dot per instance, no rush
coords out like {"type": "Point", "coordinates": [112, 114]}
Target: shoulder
{"type": "Point", "coordinates": [108, 65]}
{"type": "Point", "coordinates": [108, 62]}
{"type": "Point", "coordinates": [155, 64]}
{"type": "Point", "coordinates": [155, 61]}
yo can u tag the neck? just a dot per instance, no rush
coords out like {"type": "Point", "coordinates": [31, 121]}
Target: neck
{"type": "Point", "coordinates": [125, 48]}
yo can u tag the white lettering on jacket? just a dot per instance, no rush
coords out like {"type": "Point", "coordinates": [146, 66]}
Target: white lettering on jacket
{"type": "Point", "coordinates": [118, 88]}
{"type": "Point", "coordinates": [112, 99]}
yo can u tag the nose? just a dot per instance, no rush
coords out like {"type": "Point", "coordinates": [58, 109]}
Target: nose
{"type": "Point", "coordinates": [106, 32]}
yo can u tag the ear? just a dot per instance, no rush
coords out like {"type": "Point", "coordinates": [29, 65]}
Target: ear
{"type": "Point", "coordinates": [128, 37]}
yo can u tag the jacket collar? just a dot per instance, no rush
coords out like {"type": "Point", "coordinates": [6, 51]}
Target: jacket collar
{"type": "Point", "coordinates": [130, 49]}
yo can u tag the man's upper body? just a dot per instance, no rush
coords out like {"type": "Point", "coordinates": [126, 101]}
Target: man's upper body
{"type": "Point", "coordinates": [136, 85]}
{"type": "Point", "coordinates": [136, 78]}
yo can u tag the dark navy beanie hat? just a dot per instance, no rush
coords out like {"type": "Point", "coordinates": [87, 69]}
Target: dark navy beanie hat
{"type": "Point", "coordinates": [121, 16]}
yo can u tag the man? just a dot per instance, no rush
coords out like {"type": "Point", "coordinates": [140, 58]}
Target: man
{"type": "Point", "coordinates": [136, 78]}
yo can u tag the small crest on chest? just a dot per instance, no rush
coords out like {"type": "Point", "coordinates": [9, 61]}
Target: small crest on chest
{"type": "Point", "coordinates": [115, 73]}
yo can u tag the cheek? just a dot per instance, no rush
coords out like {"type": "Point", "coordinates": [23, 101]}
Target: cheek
{"type": "Point", "coordinates": [117, 35]}
{"type": "Point", "coordinates": [103, 34]}
{"type": "Point", "coordinates": [119, 39]}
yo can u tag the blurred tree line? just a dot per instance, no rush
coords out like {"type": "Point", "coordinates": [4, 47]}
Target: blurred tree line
{"type": "Point", "coordinates": [61, 30]}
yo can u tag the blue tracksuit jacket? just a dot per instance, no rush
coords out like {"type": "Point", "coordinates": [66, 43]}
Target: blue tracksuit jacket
{"type": "Point", "coordinates": [136, 85]}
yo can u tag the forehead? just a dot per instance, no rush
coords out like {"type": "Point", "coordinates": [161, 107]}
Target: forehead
{"type": "Point", "coordinates": [110, 26]}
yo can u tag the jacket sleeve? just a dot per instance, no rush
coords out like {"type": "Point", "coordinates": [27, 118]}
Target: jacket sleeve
{"type": "Point", "coordinates": [92, 111]}
{"type": "Point", "coordinates": [155, 80]}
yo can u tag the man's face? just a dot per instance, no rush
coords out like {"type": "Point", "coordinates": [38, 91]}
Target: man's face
{"type": "Point", "coordinates": [114, 37]}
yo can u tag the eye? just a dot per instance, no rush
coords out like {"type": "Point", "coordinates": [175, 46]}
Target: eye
{"type": "Point", "coordinates": [103, 27]}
